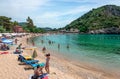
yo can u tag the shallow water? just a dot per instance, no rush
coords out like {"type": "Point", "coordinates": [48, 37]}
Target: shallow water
{"type": "Point", "coordinates": [103, 50]}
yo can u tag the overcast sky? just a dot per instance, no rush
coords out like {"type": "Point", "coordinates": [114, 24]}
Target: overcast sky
{"type": "Point", "coordinates": [49, 13]}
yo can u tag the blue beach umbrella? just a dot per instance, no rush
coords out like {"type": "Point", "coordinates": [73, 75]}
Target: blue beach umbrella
{"type": "Point", "coordinates": [7, 41]}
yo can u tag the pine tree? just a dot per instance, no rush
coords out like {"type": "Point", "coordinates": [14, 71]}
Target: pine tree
{"type": "Point", "coordinates": [29, 22]}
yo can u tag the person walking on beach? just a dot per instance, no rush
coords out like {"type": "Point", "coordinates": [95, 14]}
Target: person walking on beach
{"type": "Point", "coordinates": [33, 43]}
{"type": "Point", "coordinates": [27, 40]}
{"type": "Point", "coordinates": [16, 41]}
{"type": "Point", "coordinates": [44, 49]}
{"type": "Point", "coordinates": [47, 63]}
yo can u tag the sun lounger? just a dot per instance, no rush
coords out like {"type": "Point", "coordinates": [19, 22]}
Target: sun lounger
{"type": "Point", "coordinates": [31, 61]}
{"type": "Point", "coordinates": [32, 66]}
{"type": "Point", "coordinates": [22, 59]}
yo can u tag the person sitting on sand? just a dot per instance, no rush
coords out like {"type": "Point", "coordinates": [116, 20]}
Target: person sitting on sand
{"type": "Point", "coordinates": [38, 72]}
{"type": "Point", "coordinates": [19, 46]}
{"type": "Point", "coordinates": [47, 63]}
{"type": "Point", "coordinates": [19, 49]}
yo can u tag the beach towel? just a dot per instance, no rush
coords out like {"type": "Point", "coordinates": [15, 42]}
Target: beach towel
{"type": "Point", "coordinates": [4, 53]}
{"type": "Point", "coordinates": [44, 76]}
{"type": "Point", "coordinates": [28, 57]}
{"type": "Point", "coordinates": [6, 41]}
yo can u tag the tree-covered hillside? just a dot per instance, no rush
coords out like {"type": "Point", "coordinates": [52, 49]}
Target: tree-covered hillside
{"type": "Point", "coordinates": [6, 25]}
{"type": "Point", "coordinates": [104, 17]}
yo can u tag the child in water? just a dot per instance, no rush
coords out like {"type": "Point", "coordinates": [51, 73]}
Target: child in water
{"type": "Point", "coordinates": [47, 63]}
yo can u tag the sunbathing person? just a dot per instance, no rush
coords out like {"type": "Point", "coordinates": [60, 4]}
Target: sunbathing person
{"type": "Point", "coordinates": [38, 72]}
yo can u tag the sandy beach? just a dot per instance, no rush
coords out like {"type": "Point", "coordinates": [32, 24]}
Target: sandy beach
{"type": "Point", "coordinates": [60, 68]}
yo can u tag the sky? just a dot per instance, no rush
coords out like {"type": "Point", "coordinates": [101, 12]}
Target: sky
{"type": "Point", "coordinates": [50, 13]}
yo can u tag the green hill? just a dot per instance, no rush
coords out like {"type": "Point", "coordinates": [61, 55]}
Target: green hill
{"type": "Point", "coordinates": [105, 19]}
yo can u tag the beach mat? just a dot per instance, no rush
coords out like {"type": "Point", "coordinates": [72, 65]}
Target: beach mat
{"type": "Point", "coordinates": [45, 76]}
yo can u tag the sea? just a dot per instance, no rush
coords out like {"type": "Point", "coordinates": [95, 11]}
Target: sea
{"type": "Point", "coordinates": [96, 49]}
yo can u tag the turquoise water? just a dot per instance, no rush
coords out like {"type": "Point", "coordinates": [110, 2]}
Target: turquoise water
{"type": "Point", "coordinates": [101, 49]}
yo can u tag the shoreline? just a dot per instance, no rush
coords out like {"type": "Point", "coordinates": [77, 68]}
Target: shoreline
{"type": "Point", "coordinates": [87, 66]}
{"type": "Point", "coordinates": [60, 68]}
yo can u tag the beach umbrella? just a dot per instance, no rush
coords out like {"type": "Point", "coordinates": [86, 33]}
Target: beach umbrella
{"type": "Point", "coordinates": [34, 54]}
{"type": "Point", "coordinates": [3, 38]}
{"type": "Point", "coordinates": [7, 41]}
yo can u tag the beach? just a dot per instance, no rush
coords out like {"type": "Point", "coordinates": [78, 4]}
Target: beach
{"type": "Point", "coordinates": [60, 68]}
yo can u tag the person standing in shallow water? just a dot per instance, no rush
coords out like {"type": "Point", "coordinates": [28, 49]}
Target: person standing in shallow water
{"type": "Point", "coordinates": [68, 46]}
{"type": "Point", "coordinates": [47, 63]}
{"type": "Point", "coordinates": [49, 42]}
{"type": "Point", "coordinates": [42, 41]}
{"type": "Point", "coordinates": [58, 46]}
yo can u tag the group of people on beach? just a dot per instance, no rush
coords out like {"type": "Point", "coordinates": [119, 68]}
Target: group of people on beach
{"type": "Point", "coordinates": [4, 47]}
{"type": "Point", "coordinates": [19, 49]}
{"type": "Point", "coordinates": [38, 71]}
